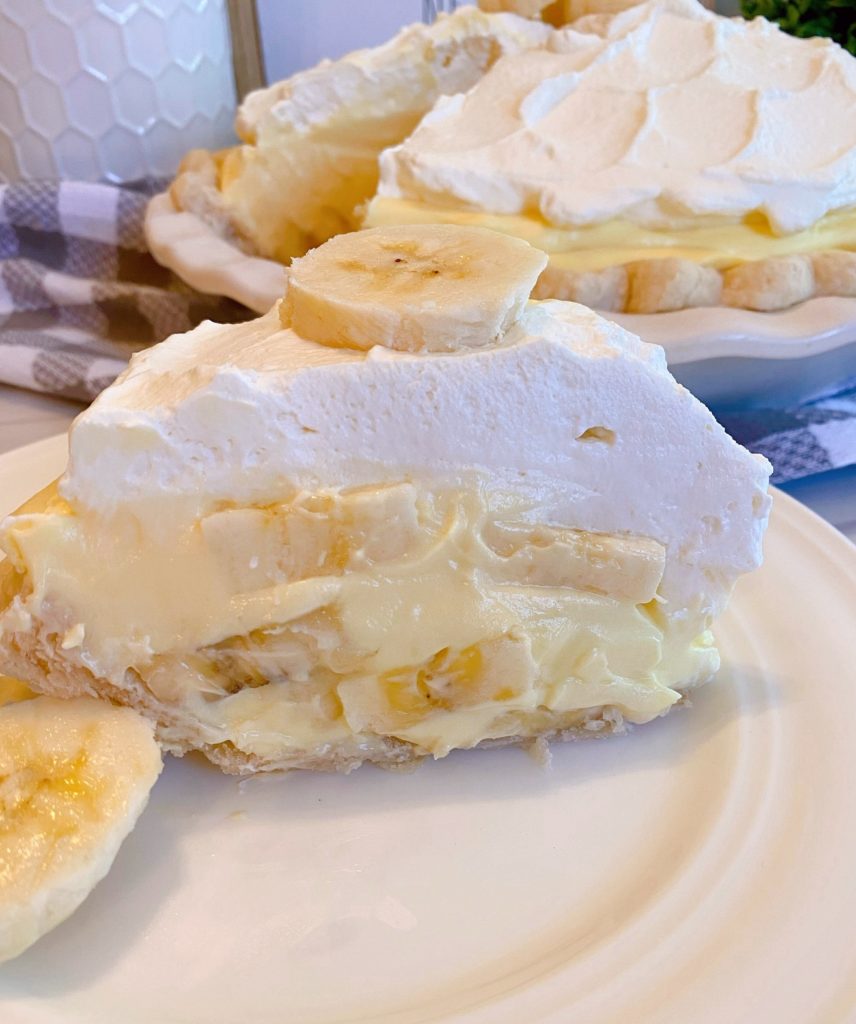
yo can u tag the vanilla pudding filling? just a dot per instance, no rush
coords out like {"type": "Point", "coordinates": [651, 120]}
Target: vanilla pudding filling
{"type": "Point", "coordinates": [521, 538]}
{"type": "Point", "coordinates": [398, 610]}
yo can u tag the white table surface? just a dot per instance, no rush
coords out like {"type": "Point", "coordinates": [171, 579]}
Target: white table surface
{"type": "Point", "coordinates": [26, 416]}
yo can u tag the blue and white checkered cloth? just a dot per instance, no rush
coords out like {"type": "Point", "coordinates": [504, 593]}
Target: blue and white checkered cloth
{"type": "Point", "coordinates": [79, 294]}
{"type": "Point", "coordinates": [804, 440]}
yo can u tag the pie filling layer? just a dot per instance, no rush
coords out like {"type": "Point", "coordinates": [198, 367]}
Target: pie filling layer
{"type": "Point", "coordinates": [340, 618]}
{"type": "Point", "coordinates": [713, 241]}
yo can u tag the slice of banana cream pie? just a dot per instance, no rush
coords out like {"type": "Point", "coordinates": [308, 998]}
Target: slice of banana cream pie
{"type": "Point", "coordinates": [311, 142]}
{"type": "Point", "coordinates": [407, 511]}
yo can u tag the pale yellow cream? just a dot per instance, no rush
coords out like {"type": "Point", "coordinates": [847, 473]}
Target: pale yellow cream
{"type": "Point", "coordinates": [713, 241]}
{"type": "Point", "coordinates": [346, 616]}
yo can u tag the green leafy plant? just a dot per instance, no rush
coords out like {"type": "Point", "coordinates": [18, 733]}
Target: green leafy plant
{"type": "Point", "coordinates": [833, 18]}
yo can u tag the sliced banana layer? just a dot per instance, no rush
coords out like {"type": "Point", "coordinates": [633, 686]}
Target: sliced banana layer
{"type": "Point", "coordinates": [429, 287]}
{"type": "Point", "coordinates": [624, 568]}
{"type": "Point", "coordinates": [12, 690]}
{"type": "Point", "coordinates": [74, 777]}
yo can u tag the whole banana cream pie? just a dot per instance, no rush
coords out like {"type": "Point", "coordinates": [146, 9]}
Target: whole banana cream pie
{"type": "Point", "coordinates": [662, 156]}
{"type": "Point", "coordinates": [407, 511]}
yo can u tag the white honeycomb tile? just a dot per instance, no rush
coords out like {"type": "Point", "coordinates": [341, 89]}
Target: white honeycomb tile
{"type": "Point", "coordinates": [163, 8]}
{"type": "Point", "coordinates": [119, 10]}
{"type": "Point", "coordinates": [135, 99]}
{"type": "Point", "coordinates": [159, 137]}
{"type": "Point", "coordinates": [214, 40]}
{"type": "Point", "coordinates": [204, 87]}
{"type": "Point", "coordinates": [22, 12]}
{"type": "Point", "coordinates": [67, 10]}
{"type": "Point", "coordinates": [53, 48]}
{"type": "Point", "coordinates": [147, 45]}
{"type": "Point", "coordinates": [182, 44]}
{"type": "Point", "coordinates": [35, 154]}
{"type": "Point", "coordinates": [120, 154]}
{"type": "Point", "coordinates": [90, 104]}
{"type": "Point", "coordinates": [12, 120]}
{"type": "Point", "coordinates": [111, 90]}
{"type": "Point", "coordinates": [100, 47]}
{"type": "Point", "coordinates": [76, 153]}
{"type": "Point", "coordinates": [175, 101]}
{"type": "Point", "coordinates": [15, 64]}
{"type": "Point", "coordinates": [41, 100]}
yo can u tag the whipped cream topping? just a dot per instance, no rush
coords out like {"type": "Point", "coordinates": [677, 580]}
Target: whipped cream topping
{"type": "Point", "coordinates": [659, 114]}
{"type": "Point", "coordinates": [316, 137]}
{"type": "Point", "coordinates": [418, 64]}
{"type": "Point", "coordinates": [571, 415]}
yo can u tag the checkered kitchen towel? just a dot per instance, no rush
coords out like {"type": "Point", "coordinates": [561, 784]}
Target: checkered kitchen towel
{"type": "Point", "coordinates": [801, 441]}
{"type": "Point", "coordinates": [79, 293]}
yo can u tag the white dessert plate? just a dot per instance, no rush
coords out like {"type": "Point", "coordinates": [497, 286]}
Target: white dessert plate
{"type": "Point", "coordinates": [724, 356]}
{"type": "Point", "coordinates": [696, 871]}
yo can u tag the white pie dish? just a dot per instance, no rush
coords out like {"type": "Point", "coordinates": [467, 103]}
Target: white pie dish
{"type": "Point", "coordinates": [726, 357]}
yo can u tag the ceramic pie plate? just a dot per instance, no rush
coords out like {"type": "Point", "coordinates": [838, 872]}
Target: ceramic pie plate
{"type": "Point", "coordinates": [699, 869]}
{"type": "Point", "coordinates": [726, 357]}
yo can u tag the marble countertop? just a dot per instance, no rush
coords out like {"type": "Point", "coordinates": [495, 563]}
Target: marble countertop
{"type": "Point", "coordinates": [26, 417]}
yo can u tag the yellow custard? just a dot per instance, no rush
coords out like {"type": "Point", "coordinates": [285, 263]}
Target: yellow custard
{"type": "Point", "coordinates": [712, 241]}
{"type": "Point", "coordinates": [391, 611]}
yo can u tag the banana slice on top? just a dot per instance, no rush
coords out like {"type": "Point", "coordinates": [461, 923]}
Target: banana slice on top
{"type": "Point", "coordinates": [428, 287]}
{"type": "Point", "coordinates": [74, 777]}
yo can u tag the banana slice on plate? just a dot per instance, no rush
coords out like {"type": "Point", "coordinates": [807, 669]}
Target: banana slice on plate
{"type": "Point", "coordinates": [429, 287]}
{"type": "Point", "coordinates": [74, 777]}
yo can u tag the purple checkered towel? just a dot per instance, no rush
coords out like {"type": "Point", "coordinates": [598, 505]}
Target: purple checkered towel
{"type": "Point", "coordinates": [79, 294]}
